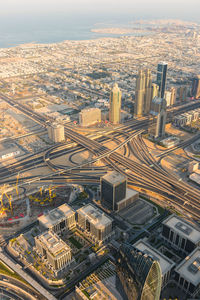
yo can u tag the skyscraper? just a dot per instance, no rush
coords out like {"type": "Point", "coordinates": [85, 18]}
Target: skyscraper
{"type": "Point", "coordinates": [158, 111]}
{"type": "Point", "coordinates": [113, 189]}
{"type": "Point", "coordinates": [115, 105]}
{"type": "Point", "coordinates": [148, 92]}
{"type": "Point", "coordinates": [140, 93]}
{"type": "Point", "coordinates": [173, 96]}
{"type": "Point", "coordinates": [155, 91]}
{"type": "Point", "coordinates": [182, 93]}
{"type": "Point", "coordinates": [195, 92]}
{"type": "Point", "coordinates": [161, 78]}
{"type": "Point", "coordinates": [143, 94]}
{"type": "Point", "coordinates": [139, 274]}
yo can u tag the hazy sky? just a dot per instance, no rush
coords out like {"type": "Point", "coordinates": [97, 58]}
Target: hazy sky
{"type": "Point", "coordinates": [167, 8]}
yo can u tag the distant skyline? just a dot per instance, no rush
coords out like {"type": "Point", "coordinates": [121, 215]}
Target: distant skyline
{"type": "Point", "coordinates": [186, 9]}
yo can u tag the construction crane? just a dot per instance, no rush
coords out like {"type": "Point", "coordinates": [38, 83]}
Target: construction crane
{"type": "Point", "coordinates": [10, 201]}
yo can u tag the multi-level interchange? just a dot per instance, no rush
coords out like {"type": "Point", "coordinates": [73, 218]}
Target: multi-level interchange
{"type": "Point", "coordinates": [100, 149]}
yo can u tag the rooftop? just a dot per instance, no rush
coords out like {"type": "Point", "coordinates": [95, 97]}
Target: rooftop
{"type": "Point", "coordinates": [56, 215]}
{"type": "Point", "coordinates": [114, 177]}
{"type": "Point", "coordinates": [95, 216]}
{"type": "Point", "coordinates": [54, 244]}
{"type": "Point", "coordinates": [189, 268]}
{"type": "Point", "coordinates": [94, 109]}
{"type": "Point", "coordinates": [165, 263]}
{"type": "Point", "coordinates": [183, 227]}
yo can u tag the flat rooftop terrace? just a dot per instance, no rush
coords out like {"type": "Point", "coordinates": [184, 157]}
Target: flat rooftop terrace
{"type": "Point", "coordinates": [189, 268]}
{"type": "Point", "coordinates": [114, 177]}
{"type": "Point", "coordinates": [56, 215]}
{"type": "Point", "coordinates": [184, 228]}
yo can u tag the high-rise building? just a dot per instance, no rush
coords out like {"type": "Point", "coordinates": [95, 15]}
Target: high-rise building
{"type": "Point", "coordinates": [161, 78]}
{"type": "Point", "coordinates": [148, 92]}
{"type": "Point", "coordinates": [173, 96]}
{"type": "Point", "coordinates": [182, 92]}
{"type": "Point", "coordinates": [115, 105]}
{"type": "Point", "coordinates": [195, 92]}
{"type": "Point", "coordinates": [168, 97]}
{"type": "Point", "coordinates": [115, 195]}
{"type": "Point", "coordinates": [143, 94]}
{"type": "Point", "coordinates": [139, 275]}
{"type": "Point", "coordinates": [158, 111]}
{"type": "Point", "coordinates": [113, 189]}
{"type": "Point", "coordinates": [140, 93]}
{"type": "Point", "coordinates": [89, 116]}
{"type": "Point", "coordinates": [155, 91]}
{"type": "Point", "coordinates": [56, 132]}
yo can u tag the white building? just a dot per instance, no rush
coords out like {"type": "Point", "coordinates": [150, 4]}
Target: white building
{"type": "Point", "coordinates": [56, 132]}
{"type": "Point", "coordinates": [193, 166]}
{"type": "Point", "coordinates": [166, 264]}
{"type": "Point", "coordinates": [89, 116]}
{"type": "Point", "coordinates": [187, 274]}
{"type": "Point", "coordinates": [55, 252]}
{"type": "Point", "coordinates": [95, 223]}
{"type": "Point", "coordinates": [59, 219]}
{"type": "Point", "coordinates": [180, 234]}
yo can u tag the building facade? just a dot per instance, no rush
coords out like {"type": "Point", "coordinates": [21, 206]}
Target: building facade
{"type": "Point", "coordinates": [162, 78]}
{"type": "Point", "coordinates": [180, 234]}
{"type": "Point", "coordinates": [113, 189]}
{"type": "Point", "coordinates": [139, 275]}
{"type": "Point", "coordinates": [144, 92]}
{"type": "Point", "coordinates": [195, 91]}
{"type": "Point", "coordinates": [115, 105]}
{"type": "Point", "coordinates": [56, 132]}
{"type": "Point", "coordinates": [89, 116]}
{"type": "Point", "coordinates": [59, 219]}
{"type": "Point", "coordinates": [159, 114]}
{"type": "Point", "coordinates": [95, 223]}
{"type": "Point", "coordinates": [166, 264]}
{"type": "Point", "coordinates": [55, 252]}
{"type": "Point", "coordinates": [187, 274]}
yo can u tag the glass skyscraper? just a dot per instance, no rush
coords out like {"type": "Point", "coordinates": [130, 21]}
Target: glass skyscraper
{"type": "Point", "coordinates": [138, 273]}
{"type": "Point", "coordinates": [161, 78]}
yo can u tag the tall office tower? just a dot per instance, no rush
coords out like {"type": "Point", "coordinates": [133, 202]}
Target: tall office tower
{"type": "Point", "coordinates": [173, 96]}
{"type": "Point", "coordinates": [168, 97]}
{"type": "Point", "coordinates": [158, 111]}
{"type": "Point", "coordinates": [139, 274]}
{"type": "Point", "coordinates": [148, 92]}
{"type": "Point", "coordinates": [155, 91]}
{"type": "Point", "coordinates": [161, 78]}
{"type": "Point", "coordinates": [56, 132]}
{"type": "Point", "coordinates": [182, 93]}
{"type": "Point", "coordinates": [195, 92]}
{"type": "Point", "coordinates": [113, 189]}
{"type": "Point", "coordinates": [115, 105]}
{"type": "Point", "coordinates": [140, 93]}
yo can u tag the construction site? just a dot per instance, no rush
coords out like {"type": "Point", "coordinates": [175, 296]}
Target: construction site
{"type": "Point", "coordinates": [22, 205]}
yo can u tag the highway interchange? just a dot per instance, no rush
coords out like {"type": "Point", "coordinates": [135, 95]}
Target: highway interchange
{"type": "Point", "coordinates": [146, 174]}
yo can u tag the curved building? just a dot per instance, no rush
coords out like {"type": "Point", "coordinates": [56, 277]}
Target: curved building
{"type": "Point", "coordinates": [139, 275]}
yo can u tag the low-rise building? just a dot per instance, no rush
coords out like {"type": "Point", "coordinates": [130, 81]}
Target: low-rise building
{"type": "Point", "coordinates": [59, 219]}
{"type": "Point", "coordinates": [187, 274]}
{"type": "Point", "coordinates": [193, 166]}
{"type": "Point", "coordinates": [180, 234]}
{"type": "Point", "coordinates": [166, 264]}
{"type": "Point", "coordinates": [54, 251]}
{"type": "Point", "coordinates": [95, 223]}
{"type": "Point", "coordinates": [89, 116]}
